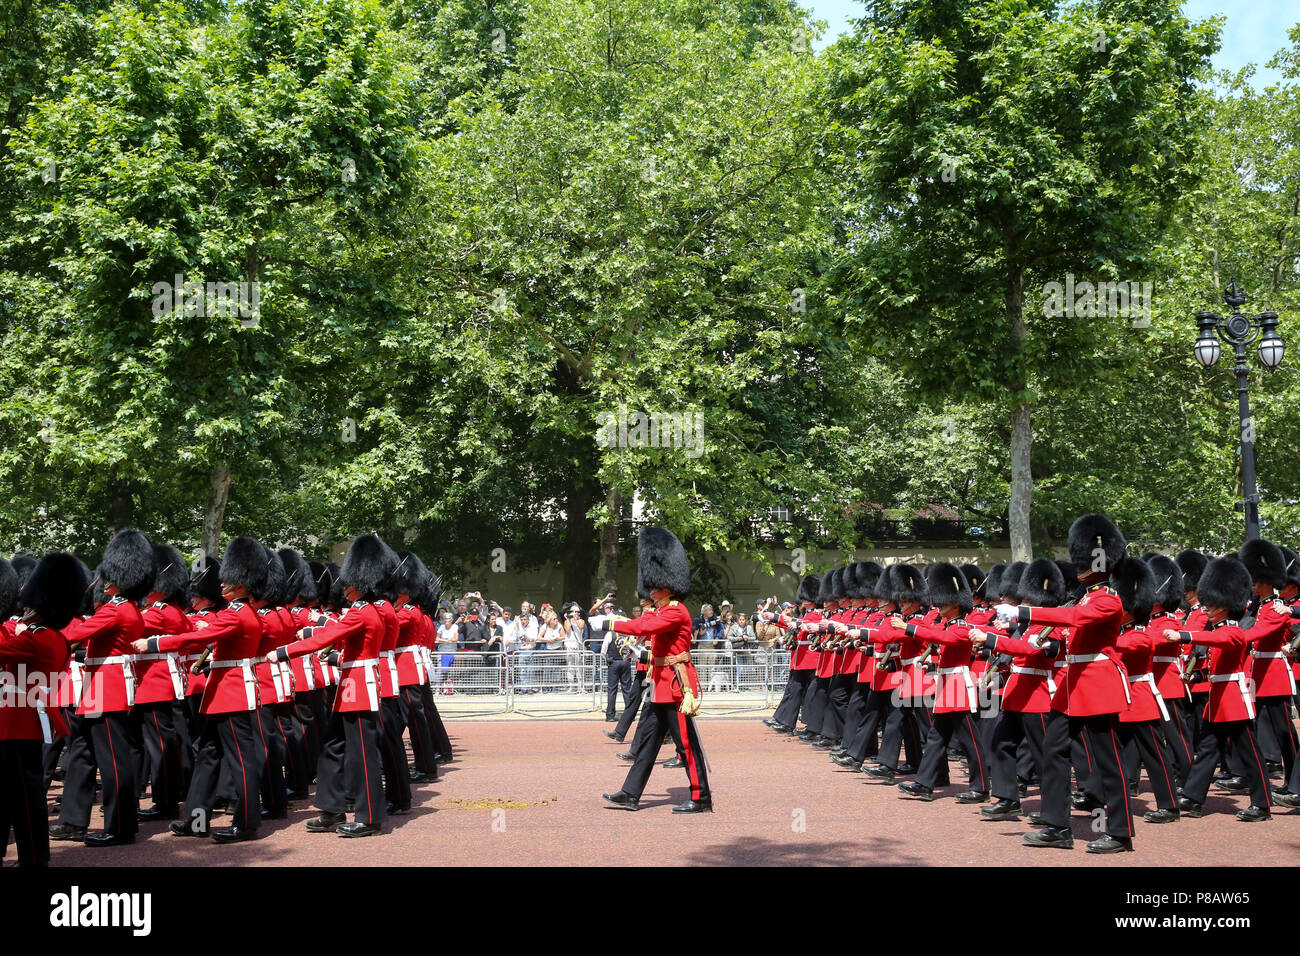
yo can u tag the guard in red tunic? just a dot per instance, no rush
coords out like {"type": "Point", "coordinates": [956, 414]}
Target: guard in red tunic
{"type": "Point", "coordinates": [1224, 590]}
{"type": "Point", "coordinates": [1166, 664]}
{"type": "Point", "coordinates": [1026, 701]}
{"type": "Point", "coordinates": [205, 601]}
{"type": "Point", "coordinates": [32, 655]}
{"type": "Point", "coordinates": [1270, 670]}
{"type": "Point", "coordinates": [803, 662]}
{"type": "Point", "coordinates": [864, 577]}
{"type": "Point", "coordinates": [108, 692]}
{"type": "Point", "coordinates": [1195, 659]}
{"type": "Point", "coordinates": [1142, 743]}
{"type": "Point", "coordinates": [664, 572]}
{"type": "Point", "coordinates": [956, 698]}
{"type": "Point", "coordinates": [410, 584]}
{"type": "Point", "coordinates": [161, 685]}
{"type": "Point", "coordinates": [350, 744]}
{"type": "Point", "coordinates": [1095, 690]}
{"type": "Point", "coordinates": [833, 691]}
{"type": "Point", "coordinates": [230, 749]}
{"type": "Point", "coordinates": [910, 685]}
{"type": "Point", "coordinates": [814, 705]}
{"type": "Point", "coordinates": [297, 718]}
{"type": "Point", "coordinates": [392, 753]}
{"type": "Point", "coordinates": [877, 693]}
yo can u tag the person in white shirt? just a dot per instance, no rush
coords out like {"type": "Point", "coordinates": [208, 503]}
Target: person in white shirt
{"type": "Point", "coordinates": [526, 644]}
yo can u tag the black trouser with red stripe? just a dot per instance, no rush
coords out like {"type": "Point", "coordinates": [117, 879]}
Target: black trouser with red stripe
{"type": "Point", "coordinates": [876, 708]}
{"type": "Point", "coordinates": [1143, 744]}
{"type": "Point", "coordinates": [1179, 738]}
{"type": "Point", "coordinates": [297, 769]}
{"type": "Point", "coordinates": [154, 725]}
{"type": "Point", "coordinates": [796, 689]}
{"type": "Point", "coordinates": [661, 719]}
{"type": "Point", "coordinates": [441, 742]}
{"type": "Point", "coordinates": [1099, 733]}
{"type": "Point", "coordinates": [230, 751]}
{"type": "Point", "coordinates": [1054, 786]}
{"type": "Point", "coordinates": [22, 801]}
{"type": "Point", "coordinates": [837, 702]}
{"type": "Point", "coordinates": [275, 796]}
{"type": "Point", "coordinates": [392, 753]}
{"type": "Point", "coordinates": [633, 704]}
{"type": "Point", "coordinates": [351, 747]}
{"type": "Point", "coordinates": [815, 704]}
{"type": "Point", "coordinates": [310, 707]}
{"type": "Point", "coordinates": [1216, 739]}
{"type": "Point", "coordinates": [106, 742]}
{"type": "Point", "coordinates": [1273, 718]}
{"type": "Point", "coordinates": [1015, 732]}
{"type": "Point", "coordinates": [411, 704]}
{"type": "Point", "coordinates": [905, 729]}
{"type": "Point", "coordinates": [854, 712]}
{"type": "Point", "coordinates": [933, 770]}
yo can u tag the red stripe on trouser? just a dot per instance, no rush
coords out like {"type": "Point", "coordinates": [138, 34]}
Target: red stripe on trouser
{"type": "Point", "coordinates": [1087, 754]}
{"type": "Point", "coordinates": [261, 732]}
{"type": "Point", "coordinates": [288, 751]}
{"type": "Point", "coordinates": [1155, 742]}
{"type": "Point", "coordinates": [1250, 738]}
{"type": "Point", "coordinates": [365, 769]}
{"type": "Point", "coordinates": [117, 781]}
{"type": "Point", "coordinates": [1183, 740]}
{"type": "Point", "coordinates": [162, 758]}
{"type": "Point", "coordinates": [692, 771]}
{"type": "Point", "coordinates": [975, 748]}
{"type": "Point", "coordinates": [1123, 781]}
{"type": "Point", "coordinates": [242, 772]}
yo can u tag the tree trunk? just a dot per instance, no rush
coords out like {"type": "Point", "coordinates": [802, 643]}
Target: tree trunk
{"type": "Point", "coordinates": [215, 511]}
{"type": "Point", "coordinates": [121, 509]}
{"type": "Point", "coordinates": [1022, 430]}
{"type": "Point", "coordinates": [580, 546]}
{"type": "Point", "coordinates": [607, 575]}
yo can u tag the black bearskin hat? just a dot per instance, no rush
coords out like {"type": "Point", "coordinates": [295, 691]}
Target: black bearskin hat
{"type": "Point", "coordinates": [8, 589]}
{"type": "Point", "coordinates": [661, 562]}
{"type": "Point", "coordinates": [1192, 564]}
{"type": "Point", "coordinates": [24, 565]}
{"type": "Point", "coordinates": [993, 581]}
{"type": "Point", "coordinates": [975, 577]}
{"type": "Point", "coordinates": [277, 582]}
{"type": "Point", "coordinates": [1133, 581]}
{"type": "Point", "coordinates": [56, 589]}
{"type": "Point", "coordinates": [245, 563]}
{"type": "Point", "coordinates": [172, 577]}
{"type": "Point", "coordinates": [907, 584]}
{"type": "Point", "coordinates": [1265, 562]}
{"type": "Point", "coordinates": [87, 596]}
{"type": "Point", "coordinates": [809, 589]}
{"type": "Point", "coordinates": [1042, 584]}
{"type": "Point", "coordinates": [368, 566]}
{"type": "Point", "coordinates": [129, 564]}
{"type": "Point", "coordinates": [827, 592]}
{"type": "Point", "coordinates": [411, 577]}
{"type": "Point", "coordinates": [883, 592]}
{"type": "Point", "coordinates": [322, 579]}
{"type": "Point", "coordinates": [947, 585]}
{"type": "Point", "coordinates": [299, 581]}
{"type": "Point", "coordinates": [1091, 534]}
{"type": "Point", "coordinates": [337, 600]}
{"type": "Point", "coordinates": [1225, 583]}
{"type": "Point", "coordinates": [867, 575]}
{"type": "Point", "coordinates": [1168, 582]}
{"type": "Point", "coordinates": [1009, 580]}
{"type": "Point", "coordinates": [839, 584]}
{"type": "Point", "coordinates": [1069, 575]}
{"type": "Point", "coordinates": [205, 582]}
{"type": "Point", "coordinates": [1292, 566]}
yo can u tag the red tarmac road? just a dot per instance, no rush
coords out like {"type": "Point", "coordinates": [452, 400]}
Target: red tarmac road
{"type": "Point", "coordinates": [527, 793]}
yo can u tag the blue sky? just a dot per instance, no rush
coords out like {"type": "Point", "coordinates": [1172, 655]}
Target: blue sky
{"type": "Point", "coordinates": [1254, 31]}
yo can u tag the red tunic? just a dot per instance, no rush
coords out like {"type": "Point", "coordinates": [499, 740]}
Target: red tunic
{"type": "Point", "coordinates": [388, 676]}
{"type": "Point", "coordinates": [108, 684]}
{"type": "Point", "coordinates": [828, 661]}
{"type": "Point", "coordinates": [1270, 670]}
{"type": "Point", "coordinates": [1137, 645]}
{"type": "Point", "coordinates": [914, 684]}
{"type": "Point", "coordinates": [360, 631]}
{"type": "Point", "coordinates": [161, 676]}
{"type": "Point", "coordinates": [196, 683]}
{"type": "Point", "coordinates": [1029, 685]}
{"type": "Point", "coordinates": [274, 680]}
{"type": "Point", "coordinates": [804, 657]}
{"type": "Point", "coordinates": [1167, 659]}
{"type": "Point", "coordinates": [955, 691]}
{"type": "Point", "coordinates": [866, 655]}
{"type": "Point", "coordinates": [669, 631]}
{"type": "Point", "coordinates": [306, 670]}
{"type": "Point", "coordinates": [30, 665]}
{"type": "Point", "coordinates": [1196, 621]}
{"type": "Point", "coordinates": [234, 633]}
{"type": "Point", "coordinates": [1230, 697]}
{"type": "Point", "coordinates": [410, 646]}
{"type": "Point", "coordinates": [1095, 681]}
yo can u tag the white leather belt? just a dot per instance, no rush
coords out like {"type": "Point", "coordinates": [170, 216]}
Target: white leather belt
{"type": "Point", "coordinates": [1150, 680]}
{"type": "Point", "coordinates": [909, 661]}
{"type": "Point", "coordinates": [173, 671]}
{"type": "Point", "coordinates": [75, 670]}
{"type": "Point", "coordinates": [417, 656]}
{"type": "Point", "coordinates": [971, 699]}
{"type": "Point", "coordinates": [372, 688]}
{"type": "Point", "coordinates": [392, 667]}
{"type": "Point", "coordinates": [1097, 659]}
{"type": "Point", "coordinates": [1240, 679]}
{"type": "Point", "coordinates": [1036, 671]}
{"type": "Point", "coordinates": [307, 673]}
{"type": "Point", "coordinates": [1167, 660]}
{"type": "Point", "coordinates": [128, 674]}
{"type": "Point", "coordinates": [1274, 655]}
{"type": "Point", "coordinates": [250, 677]}
{"type": "Point", "coordinates": [46, 732]}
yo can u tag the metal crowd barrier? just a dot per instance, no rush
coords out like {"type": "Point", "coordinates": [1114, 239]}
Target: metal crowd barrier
{"type": "Point", "coordinates": [549, 683]}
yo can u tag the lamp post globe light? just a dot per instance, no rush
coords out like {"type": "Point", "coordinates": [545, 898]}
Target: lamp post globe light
{"type": "Point", "coordinates": [1241, 332]}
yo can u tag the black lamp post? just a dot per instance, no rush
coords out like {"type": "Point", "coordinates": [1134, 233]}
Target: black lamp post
{"type": "Point", "coordinates": [1241, 331]}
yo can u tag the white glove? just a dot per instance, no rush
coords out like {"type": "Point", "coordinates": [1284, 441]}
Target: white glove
{"type": "Point", "coordinates": [598, 622]}
{"type": "Point", "coordinates": [1008, 613]}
